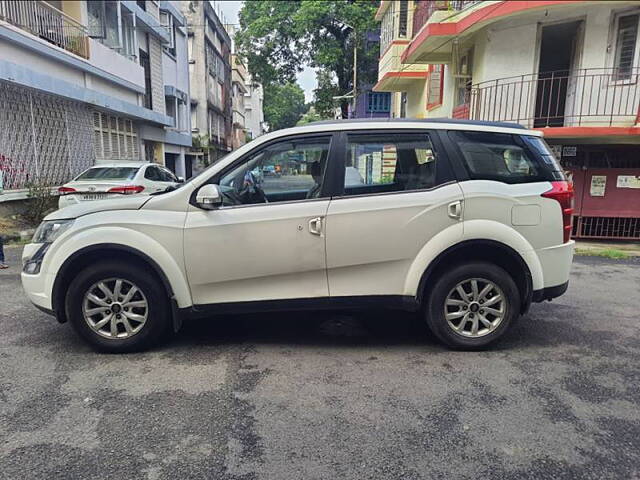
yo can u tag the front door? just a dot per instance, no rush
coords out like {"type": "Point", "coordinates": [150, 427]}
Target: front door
{"type": "Point", "coordinates": [398, 195]}
{"type": "Point", "coordinates": [556, 84]}
{"type": "Point", "coordinates": [267, 240]}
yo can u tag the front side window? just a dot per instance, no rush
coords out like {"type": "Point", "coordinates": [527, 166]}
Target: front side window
{"type": "Point", "coordinates": [285, 171]}
{"type": "Point", "coordinates": [389, 163]}
{"type": "Point", "coordinates": [500, 157]}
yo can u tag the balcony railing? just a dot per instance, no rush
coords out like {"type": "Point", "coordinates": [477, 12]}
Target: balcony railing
{"type": "Point", "coordinates": [424, 9]}
{"type": "Point", "coordinates": [586, 97]}
{"type": "Point", "coordinates": [49, 23]}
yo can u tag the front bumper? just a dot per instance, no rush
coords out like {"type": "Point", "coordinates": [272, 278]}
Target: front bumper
{"type": "Point", "coordinates": [35, 285]}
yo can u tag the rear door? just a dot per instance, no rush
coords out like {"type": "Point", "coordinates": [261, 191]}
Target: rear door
{"type": "Point", "coordinates": [399, 193]}
{"type": "Point", "coordinates": [154, 180]}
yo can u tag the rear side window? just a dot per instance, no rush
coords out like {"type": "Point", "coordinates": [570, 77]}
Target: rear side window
{"type": "Point", "coordinates": [379, 163]}
{"type": "Point", "coordinates": [504, 158]}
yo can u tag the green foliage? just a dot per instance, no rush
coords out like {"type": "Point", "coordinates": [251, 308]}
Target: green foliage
{"type": "Point", "coordinates": [327, 89]}
{"type": "Point", "coordinates": [279, 37]}
{"type": "Point", "coordinates": [283, 105]}
{"type": "Point", "coordinates": [311, 116]}
{"type": "Point", "coordinates": [40, 202]}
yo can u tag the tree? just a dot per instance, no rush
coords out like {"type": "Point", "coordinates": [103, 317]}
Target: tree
{"type": "Point", "coordinates": [283, 105]}
{"type": "Point", "coordinates": [279, 37]}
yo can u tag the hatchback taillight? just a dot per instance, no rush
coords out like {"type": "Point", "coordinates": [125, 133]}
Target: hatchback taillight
{"type": "Point", "coordinates": [562, 192]}
{"type": "Point", "coordinates": [127, 189]}
{"type": "Point", "coordinates": [66, 190]}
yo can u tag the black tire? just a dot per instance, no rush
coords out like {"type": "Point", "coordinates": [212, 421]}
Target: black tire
{"type": "Point", "coordinates": [447, 281]}
{"type": "Point", "coordinates": [158, 317]}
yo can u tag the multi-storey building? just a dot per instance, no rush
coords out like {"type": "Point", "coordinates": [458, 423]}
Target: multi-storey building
{"type": "Point", "coordinates": [210, 78]}
{"type": "Point", "coordinates": [239, 77]}
{"type": "Point", "coordinates": [254, 114]}
{"type": "Point", "coordinates": [569, 68]}
{"type": "Point", "coordinates": [89, 81]}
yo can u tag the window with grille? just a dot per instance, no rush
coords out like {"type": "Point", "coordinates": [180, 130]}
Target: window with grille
{"type": "Point", "coordinates": [626, 39]}
{"type": "Point", "coordinates": [403, 14]}
{"type": "Point", "coordinates": [386, 29]}
{"type": "Point", "coordinates": [435, 86]}
{"type": "Point", "coordinates": [166, 20]}
{"type": "Point", "coordinates": [378, 102]}
{"type": "Point", "coordinates": [115, 138]}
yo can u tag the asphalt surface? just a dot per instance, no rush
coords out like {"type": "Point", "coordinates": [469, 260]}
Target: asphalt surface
{"type": "Point", "coordinates": [331, 396]}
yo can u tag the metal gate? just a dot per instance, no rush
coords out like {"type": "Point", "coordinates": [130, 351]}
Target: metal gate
{"type": "Point", "coordinates": [43, 139]}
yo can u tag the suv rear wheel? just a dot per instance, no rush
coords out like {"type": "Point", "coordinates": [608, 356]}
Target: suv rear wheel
{"type": "Point", "coordinates": [117, 307]}
{"type": "Point", "coordinates": [472, 305]}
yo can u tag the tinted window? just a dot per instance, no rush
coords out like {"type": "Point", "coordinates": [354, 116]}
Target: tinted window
{"type": "Point", "coordinates": [389, 163]}
{"type": "Point", "coordinates": [501, 157]}
{"type": "Point", "coordinates": [167, 175]}
{"type": "Point", "coordinates": [109, 173]}
{"type": "Point", "coordinates": [152, 173]}
{"type": "Point", "coordinates": [284, 171]}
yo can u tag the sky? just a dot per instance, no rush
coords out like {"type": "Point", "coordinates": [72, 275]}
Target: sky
{"type": "Point", "coordinates": [230, 9]}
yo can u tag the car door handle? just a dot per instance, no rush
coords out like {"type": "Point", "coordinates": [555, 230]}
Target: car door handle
{"type": "Point", "coordinates": [455, 209]}
{"type": "Point", "coordinates": [315, 226]}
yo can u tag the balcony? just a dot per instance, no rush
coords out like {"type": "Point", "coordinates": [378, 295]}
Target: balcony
{"type": "Point", "coordinates": [598, 97]}
{"type": "Point", "coordinates": [48, 23]}
{"type": "Point", "coordinates": [425, 9]}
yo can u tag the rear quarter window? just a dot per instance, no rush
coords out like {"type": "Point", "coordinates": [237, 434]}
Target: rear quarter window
{"type": "Point", "coordinates": [505, 158]}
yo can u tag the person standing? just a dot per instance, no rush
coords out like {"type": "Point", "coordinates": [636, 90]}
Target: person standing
{"type": "Point", "coordinates": [2, 264]}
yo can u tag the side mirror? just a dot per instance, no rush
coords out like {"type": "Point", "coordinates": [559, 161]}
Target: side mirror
{"type": "Point", "coordinates": [209, 197]}
{"type": "Point", "coordinates": [180, 179]}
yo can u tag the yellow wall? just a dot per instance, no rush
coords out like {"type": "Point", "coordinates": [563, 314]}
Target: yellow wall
{"type": "Point", "coordinates": [73, 9]}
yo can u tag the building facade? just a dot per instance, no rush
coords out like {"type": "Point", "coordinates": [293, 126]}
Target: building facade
{"type": "Point", "coordinates": [82, 83]}
{"type": "Point", "coordinates": [569, 68]}
{"type": "Point", "coordinates": [253, 108]}
{"type": "Point", "coordinates": [239, 77]}
{"type": "Point", "coordinates": [211, 108]}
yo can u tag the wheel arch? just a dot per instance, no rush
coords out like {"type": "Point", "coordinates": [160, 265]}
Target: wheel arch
{"type": "Point", "coordinates": [84, 256]}
{"type": "Point", "coordinates": [481, 250]}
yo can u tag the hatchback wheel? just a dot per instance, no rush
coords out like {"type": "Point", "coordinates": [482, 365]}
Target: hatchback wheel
{"type": "Point", "coordinates": [118, 307]}
{"type": "Point", "coordinates": [472, 305]}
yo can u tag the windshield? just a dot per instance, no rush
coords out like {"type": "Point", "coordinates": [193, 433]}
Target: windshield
{"type": "Point", "coordinates": [109, 173]}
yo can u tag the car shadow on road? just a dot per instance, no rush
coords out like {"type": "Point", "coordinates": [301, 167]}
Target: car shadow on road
{"type": "Point", "coordinates": [308, 328]}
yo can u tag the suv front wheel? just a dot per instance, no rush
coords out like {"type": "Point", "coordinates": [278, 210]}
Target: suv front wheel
{"type": "Point", "coordinates": [472, 305]}
{"type": "Point", "coordinates": [117, 307]}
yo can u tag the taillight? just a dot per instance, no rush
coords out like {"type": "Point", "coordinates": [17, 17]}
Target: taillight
{"type": "Point", "coordinates": [66, 190]}
{"type": "Point", "coordinates": [127, 189]}
{"type": "Point", "coordinates": [563, 193]}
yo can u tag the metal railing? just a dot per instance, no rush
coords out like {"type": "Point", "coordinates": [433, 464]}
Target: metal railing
{"type": "Point", "coordinates": [47, 22]}
{"type": "Point", "coordinates": [598, 96]}
{"type": "Point", "coordinates": [424, 9]}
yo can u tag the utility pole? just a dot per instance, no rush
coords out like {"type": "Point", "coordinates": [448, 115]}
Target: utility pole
{"type": "Point", "coordinates": [355, 71]}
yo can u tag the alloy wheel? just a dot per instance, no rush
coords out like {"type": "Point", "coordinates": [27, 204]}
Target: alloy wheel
{"type": "Point", "coordinates": [115, 308]}
{"type": "Point", "coordinates": [475, 307]}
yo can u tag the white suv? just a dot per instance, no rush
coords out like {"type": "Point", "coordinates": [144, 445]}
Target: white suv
{"type": "Point", "coordinates": [467, 222]}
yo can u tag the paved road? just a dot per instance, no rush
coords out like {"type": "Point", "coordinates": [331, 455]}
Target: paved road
{"type": "Point", "coordinates": [328, 396]}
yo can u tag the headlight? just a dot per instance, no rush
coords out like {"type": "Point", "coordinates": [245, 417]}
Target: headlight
{"type": "Point", "coordinates": [48, 231]}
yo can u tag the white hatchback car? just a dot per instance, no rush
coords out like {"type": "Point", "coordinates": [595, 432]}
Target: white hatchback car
{"type": "Point", "coordinates": [467, 222]}
{"type": "Point", "coordinates": [113, 180]}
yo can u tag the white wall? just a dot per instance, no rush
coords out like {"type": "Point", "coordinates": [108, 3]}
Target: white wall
{"type": "Point", "coordinates": [114, 63]}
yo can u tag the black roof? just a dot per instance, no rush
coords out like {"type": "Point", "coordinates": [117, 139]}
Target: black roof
{"type": "Point", "coordinates": [422, 120]}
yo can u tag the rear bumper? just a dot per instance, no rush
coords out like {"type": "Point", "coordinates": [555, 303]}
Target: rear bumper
{"type": "Point", "coordinates": [556, 264]}
{"type": "Point", "coordinates": [549, 293]}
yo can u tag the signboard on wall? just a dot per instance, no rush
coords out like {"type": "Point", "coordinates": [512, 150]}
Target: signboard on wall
{"type": "Point", "coordinates": [598, 185]}
{"type": "Point", "coordinates": [568, 151]}
{"type": "Point", "coordinates": [628, 181]}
